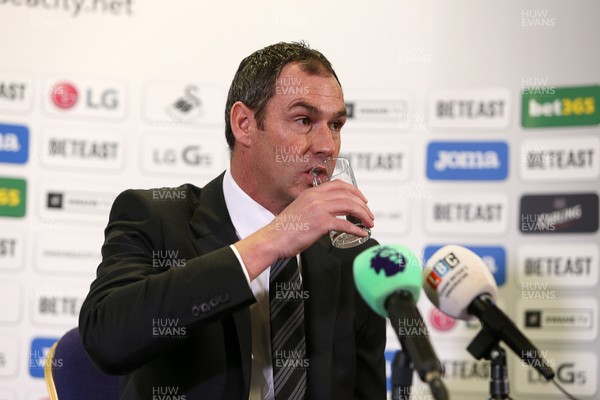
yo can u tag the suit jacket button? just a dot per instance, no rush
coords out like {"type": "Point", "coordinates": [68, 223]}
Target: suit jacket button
{"type": "Point", "coordinates": [224, 298]}
{"type": "Point", "coordinates": [214, 302]}
{"type": "Point", "coordinates": [205, 307]}
{"type": "Point", "coordinates": [195, 311]}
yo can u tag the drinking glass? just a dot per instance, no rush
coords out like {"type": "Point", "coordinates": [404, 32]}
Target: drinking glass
{"type": "Point", "coordinates": [338, 168]}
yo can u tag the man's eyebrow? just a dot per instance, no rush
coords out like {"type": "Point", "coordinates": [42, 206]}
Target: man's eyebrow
{"type": "Point", "coordinates": [308, 107]}
{"type": "Point", "coordinates": [315, 110]}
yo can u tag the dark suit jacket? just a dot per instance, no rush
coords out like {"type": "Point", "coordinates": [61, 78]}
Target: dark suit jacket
{"type": "Point", "coordinates": [198, 290]}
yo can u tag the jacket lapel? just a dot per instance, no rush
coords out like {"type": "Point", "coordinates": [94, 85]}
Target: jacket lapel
{"type": "Point", "coordinates": [210, 224]}
{"type": "Point", "coordinates": [211, 229]}
{"type": "Point", "coordinates": [321, 278]}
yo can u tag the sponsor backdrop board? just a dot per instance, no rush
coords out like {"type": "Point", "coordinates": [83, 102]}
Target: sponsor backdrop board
{"type": "Point", "coordinates": [475, 123]}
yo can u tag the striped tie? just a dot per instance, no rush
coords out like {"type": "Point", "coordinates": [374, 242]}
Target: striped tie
{"type": "Point", "coordinates": [287, 330]}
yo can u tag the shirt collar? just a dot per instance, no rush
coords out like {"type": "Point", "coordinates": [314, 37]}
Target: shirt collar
{"type": "Point", "coordinates": [246, 214]}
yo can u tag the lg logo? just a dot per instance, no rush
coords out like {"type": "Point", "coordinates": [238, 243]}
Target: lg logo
{"type": "Point", "coordinates": [180, 154]}
{"type": "Point", "coordinates": [65, 95]}
{"type": "Point", "coordinates": [566, 373]}
{"type": "Point", "coordinates": [189, 155]}
{"type": "Point", "coordinates": [86, 98]}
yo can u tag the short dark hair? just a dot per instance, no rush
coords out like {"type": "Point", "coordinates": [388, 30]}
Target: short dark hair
{"type": "Point", "coordinates": [255, 80]}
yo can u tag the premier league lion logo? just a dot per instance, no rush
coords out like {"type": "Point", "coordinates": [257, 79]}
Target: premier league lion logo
{"type": "Point", "coordinates": [389, 260]}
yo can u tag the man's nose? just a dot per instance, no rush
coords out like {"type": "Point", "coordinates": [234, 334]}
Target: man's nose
{"type": "Point", "coordinates": [323, 143]}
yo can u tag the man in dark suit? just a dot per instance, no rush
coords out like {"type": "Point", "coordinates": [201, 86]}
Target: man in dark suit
{"type": "Point", "coordinates": [180, 306]}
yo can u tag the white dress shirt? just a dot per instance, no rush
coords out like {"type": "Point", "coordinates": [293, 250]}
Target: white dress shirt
{"type": "Point", "coordinates": [248, 216]}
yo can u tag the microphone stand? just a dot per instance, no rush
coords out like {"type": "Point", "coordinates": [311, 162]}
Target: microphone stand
{"type": "Point", "coordinates": [486, 345]}
{"type": "Point", "coordinates": [402, 375]}
{"type": "Point", "coordinates": [499, 386]}
{"type": "Point", "coordinates": [418, 347]}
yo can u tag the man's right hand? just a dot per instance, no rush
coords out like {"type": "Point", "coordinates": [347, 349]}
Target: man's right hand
{"type": "Point", "coordinates": [311, 215]}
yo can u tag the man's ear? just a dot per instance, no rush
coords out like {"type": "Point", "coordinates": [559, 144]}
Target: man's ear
{"type": "Point", "coordinates": [242, 121]}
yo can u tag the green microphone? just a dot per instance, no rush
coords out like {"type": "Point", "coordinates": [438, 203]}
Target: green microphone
{"type": "Point", "coordinates": [381, 270]}
{"type": "Point", "coordinates": [389, 279]}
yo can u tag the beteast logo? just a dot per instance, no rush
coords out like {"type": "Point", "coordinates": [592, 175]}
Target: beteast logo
{"type": "Point", "coordinates": [378, 157]}
{"type": "Point", "coordinates": [64, 95]}
{"type": "Point", "coordinates": [572, 158]}
{"type": "Point", "coordinates": [7, 247]}
{"type": "Point", "coordinates": [467, 374]}
{"type": "Point", "coordinates": [466, 369]}
{"type": "Point", "coordinates": [11, 250]}
{"type": "Point", "coordinates": [86, 98]}
{"type": "Point", "coordinates": [14, 144]}
{"type": "Point", "coordinates": [566, 106]}
{"type": "Point", "coordinates": [82, 149]}
{"type": "Point", "coordinates": [467, 160]}
{"type": "Point", "coordinates": [371, 161]}
{"type": "Point", "coordinates": [559, 265]}
{"type": "Point", "coordinates": [469, 108]}
{"type": "Point", "coordinates": [15, 92]}
{"type": "Point", "coordinates": [492, 256]}
{"type": "Point", "coordinates": [559, 213]}
{"type": "Point", "coordinates": [388, 260]}
{"type": "Point", "coordinates": [475, 213]}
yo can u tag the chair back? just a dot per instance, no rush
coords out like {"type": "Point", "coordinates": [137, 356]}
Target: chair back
{"type": "Point", "coordinates": [71, 375]}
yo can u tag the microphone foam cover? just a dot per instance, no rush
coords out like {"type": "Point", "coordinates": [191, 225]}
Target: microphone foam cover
{"type": "Point", "coordinates": [453, 277]}
{"type": "Point", "coordinates": [382, 270]}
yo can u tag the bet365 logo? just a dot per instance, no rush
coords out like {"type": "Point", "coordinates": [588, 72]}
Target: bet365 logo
{"type": "Point", "coordinates": [566, 106]}
{"type": "Point", "coordinates": [12, 197]}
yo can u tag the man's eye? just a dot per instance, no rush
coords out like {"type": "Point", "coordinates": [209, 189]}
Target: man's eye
{"type": "Point", "coordinates": [303, 121]}
{"type": "Point", "coordinates": [336, 126]}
